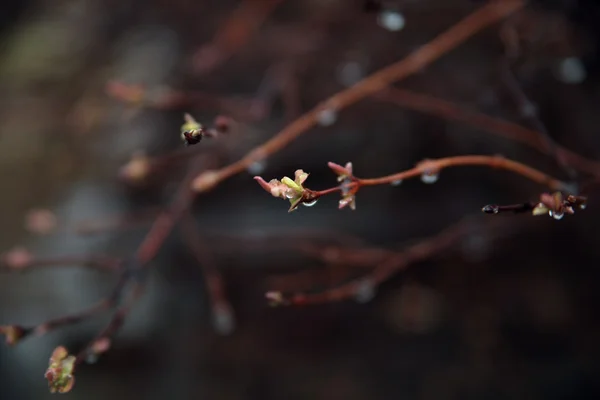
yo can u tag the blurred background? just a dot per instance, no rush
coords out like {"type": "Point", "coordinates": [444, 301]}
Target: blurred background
{"type": "Point", "coordinates": [509, 312]}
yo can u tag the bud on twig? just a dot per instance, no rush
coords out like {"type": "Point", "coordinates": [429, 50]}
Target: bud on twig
{"type": "Point", "coordinates": [60, 371]}
{"type": "Point", "coordinates": [13, 334]}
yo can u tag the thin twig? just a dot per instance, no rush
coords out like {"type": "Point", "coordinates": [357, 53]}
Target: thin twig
{"type": "Point", "coordinates": [457, 34]}
{"type": "Point", "coordinates": [511, 131]}
{"type": "Point", "coordinates": [420, 251]}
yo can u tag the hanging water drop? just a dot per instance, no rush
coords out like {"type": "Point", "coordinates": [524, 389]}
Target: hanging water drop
{"type": "Point", "coordinates": [429, 177]}
{"type": "Point", "coordinates": [309, 203]}
{"type": "Point", "coordinates": [491, 209]}
{"type": "Point", "coordinates": [223, 321]}
{"type": "Point", "coordinates": [391, 20]}
{"type": "Point", "coordinates": [327, 117]}
{"type": "Point", "coordinates": [91, 358]}
{"type": "Point", "coordinates": [571, 70]}
{"type": "Point", "coordinates": [350, 73]}
{"type": "Point", "coordinates": [365, 292]}
{"type": "Point", "coordinates": [397, 182]}
{"type": "Point", "coordinates": [556, 214]}
{"type": "Point", "coordinates": [257, 167]}
{"type": "Point", "coordinates": [582, 206]}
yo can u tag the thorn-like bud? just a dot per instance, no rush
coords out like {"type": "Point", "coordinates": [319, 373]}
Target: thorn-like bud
{"type": "Point", "coordinates": [60, 371]}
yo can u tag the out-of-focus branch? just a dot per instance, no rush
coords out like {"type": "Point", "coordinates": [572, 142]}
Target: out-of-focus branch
{"type": "Point", "coordinates": [478, 20]}
{"type": "Point", "coordinates": [242, 23]}
{"type": "Point", "coordinates": [509, 130]}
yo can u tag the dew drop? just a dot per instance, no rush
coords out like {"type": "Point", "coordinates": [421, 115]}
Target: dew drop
{"type": "Point", "coordinates": [397, 182]}
{"type": "Point", "coordinates": [223, 321]}
{"type": "Point", "coordinates": [490, 209]}
{"type": "Point", "coordinates": [91, 358]}
{"type": "Point", "coordinates": [365, 292]}
{"type": "Point", "coordinates": [391, 20]}
{"type": "Point", "coordinates": [310, 203]}
{"type": "Point", "coordinates": [556, 215]}
{"type": "Point", "coordinates": [327, 117]}
{"type": "Point", "coordinates": [429, 177]}
{"type": "Point", "coordinates": [350, 73]}
{"type": "Point", "coordinates": [571, 70]}
{"type": "Point", "coordinates": [257, 167]}
{"type": "Point", "coordinates": [289, 194]}
{"type": "Point", "coordinates": [582, 206]}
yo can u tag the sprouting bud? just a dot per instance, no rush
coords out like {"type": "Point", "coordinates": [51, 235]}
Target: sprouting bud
{"type": "Point", "coordinates": [60, 371]}
{"type": "Point", "coordinates": [40, 221]}
{"type": "Point", "coordinates": [205, 181]}
{"type": "Point", "coordinates": [348, 200]}
{"type": "Point", "coordinates": [346, 177]}
{"type": "Point", "coordinates": [137, 169]}
{"type": "Point", "coordinates": [13, 334]}
{"type": "Point", "coordinates": [275, 298]}
{"type": "Point", "coordinates": [288, 189]}
{"type": "Point", "coordinates": [191, 131]}
{"type": "Point", "coordinates": [343, 173]}
{"type": "Point", "coordinates": [17, 258]}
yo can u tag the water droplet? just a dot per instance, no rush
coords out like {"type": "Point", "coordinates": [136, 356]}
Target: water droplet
{"type": "Point", "coordinates": [310, 203]}
{"type": "Point", "coordinates": [257, 167]}
{"type": "Point", "coordinates": [391, 20]}
{"type": "Point", "coordinates": [365, 292]}
{"type": "Point", "coordinates": [429, 177]}
{"type": "Point", "coordinates": [223, 321]}
{"type": "Point", "coordinates": [571, 70]}
{"type": "Point", "coordinates": [397, 182]}
{"type": "Point", "coordinates": [556, 214]}
{"type": "Point", "coordinates": [350, 73]}
{"type": "Point", "coordinates": [91, 358]}
{"type": "Point", "coordinates": [290, 194]}
{"type": "Point", "coordinates": [490, 209]}
{"type": "Point", "coordinates": [327, 117]}
{"type": "Point", "coordinates": [582, 206]}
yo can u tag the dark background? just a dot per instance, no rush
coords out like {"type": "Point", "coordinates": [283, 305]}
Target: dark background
{"type": "Point", "coordinates": [510, 313]}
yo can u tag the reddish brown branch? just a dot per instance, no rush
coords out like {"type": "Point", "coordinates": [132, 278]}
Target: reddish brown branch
{"type": "Point", "coordinates": [435, 166]}
{"type": "Point", "coordinates": [511, 131]}
{"type": "Point", "coordinates": [478, 20]}
{"type": "Point", "coordinates": [420, 251]}
{"type": "Point", "coordinates": [222, 311]}
{"type": "Point", "coordinates": [233, 33]}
